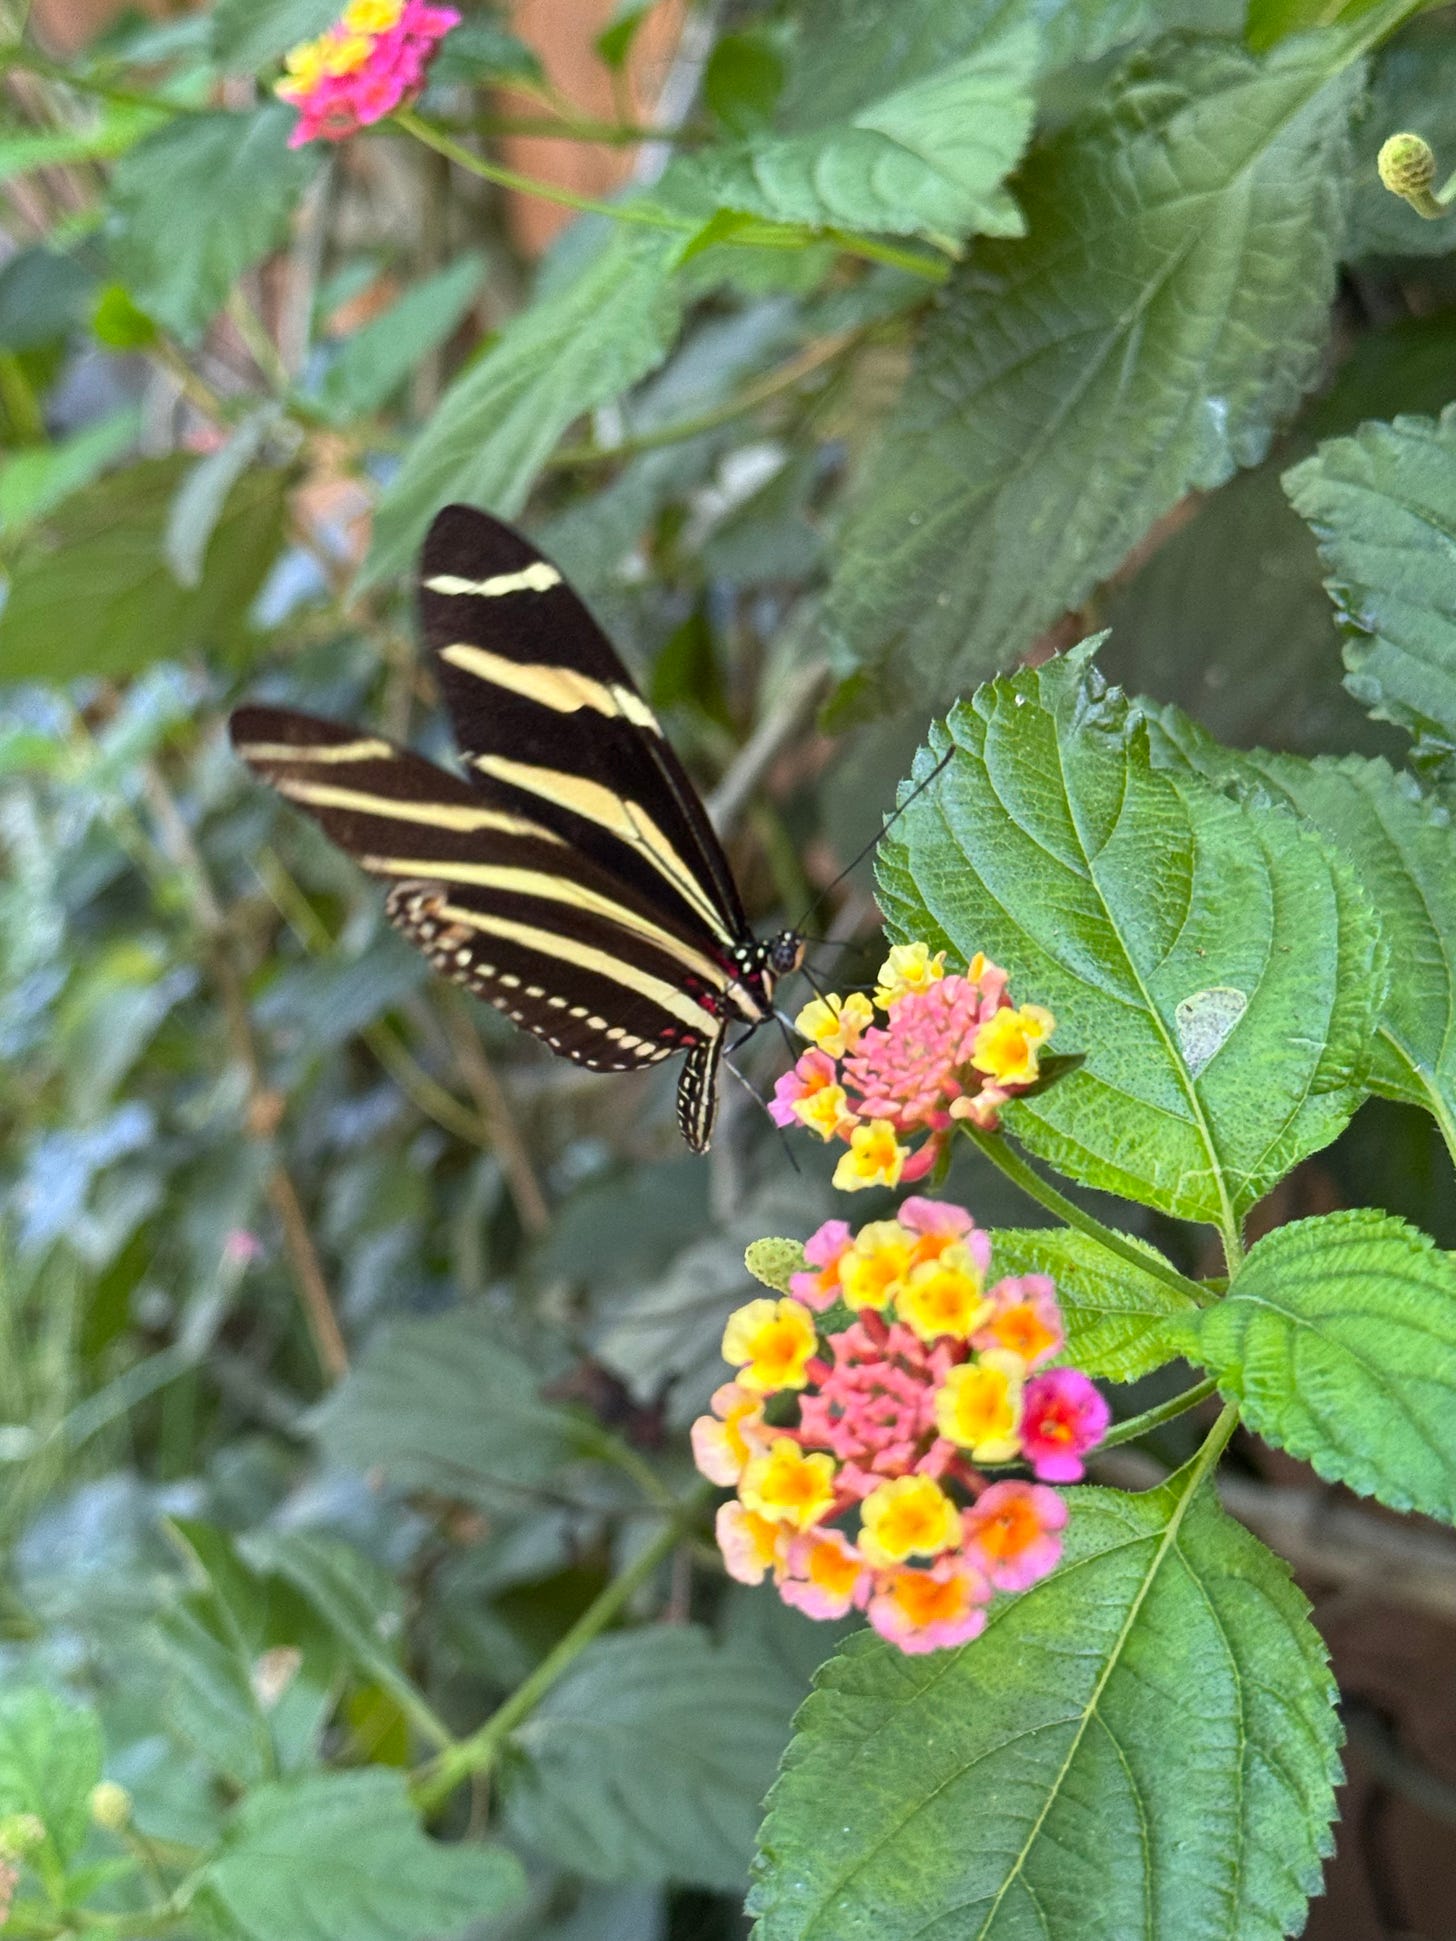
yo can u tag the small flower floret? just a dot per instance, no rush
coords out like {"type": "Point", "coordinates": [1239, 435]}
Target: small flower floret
{"type": "Point", "coordinates": [371, 61]}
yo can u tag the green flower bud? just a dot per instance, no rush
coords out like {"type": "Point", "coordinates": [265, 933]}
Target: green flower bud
{"type": "Point", "coordinates": [773, 1261]}
{"type": "Point", "coordinates": [110, 1806]}
{"type": "Point", "coordinates": [1407, 164]}
{"type": "Point", "coordinates": [20, 1834]}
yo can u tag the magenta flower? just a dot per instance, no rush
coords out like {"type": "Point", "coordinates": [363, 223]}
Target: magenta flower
{"type": "Point", "coordinates": [372, 60]}
{"type": "Point", "coordinates": [1063, 1416]}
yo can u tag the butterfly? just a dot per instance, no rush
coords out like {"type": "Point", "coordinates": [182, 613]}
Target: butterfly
{"type": "Point", "coordinates": [569, 875]}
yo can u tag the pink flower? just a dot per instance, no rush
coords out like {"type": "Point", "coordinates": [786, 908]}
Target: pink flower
{"type": "Point", "coordinates": [1026, 1320]}
{"type": "Point", "coordinates": [824, 1249]}
{"type": "Point", "coordinates": [931, 1610]}
{"type": "Point", "coordinates": [1063, 1416]}
{"type": "Point", "coordinates": [364, 67]}
{"type": "Point", "coordinates": [1012, 1533]}
{"type": "Point", "coordinates": [824, 1575]}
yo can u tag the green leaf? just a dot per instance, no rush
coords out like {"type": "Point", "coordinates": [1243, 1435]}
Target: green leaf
{"type": "Point", "coordinates": [1216, 961]}
{"type": "Point", "coordinates": [43, 296]}
{"type": "Point", "coordinates": [1383, 507]}
{"type": "Point", "coordinates": [1085, 30]}
{"type": "Point", "coordinates": [198, 203]}
{"type": "Point", "coordinates": [742, 81]}
{"type": "Point", "coordinates": [444, 1405]}
{"type": "Point", "coordinates": [482, 50]}
{"type": "Point", "coordinates": [496, 425]}
{"type": "Point", "coordinates": [199, 501]}
{"type": "Point", "coordinates": [34, 482]}
{"type": "Point", "coordinates": [248, 34]}
{"type": "Point", "coordinates": [1143, 1744]}
{"type": "Point", "coordinates": [923, 159]}
{"type": "Point", "coordinates": [1271, 21]}
{"type": "Point", "coordinates": [342, 1854]}
{"type": "Point", "coordinates": [618, 1778]}
{"type": "Point", "coordinates": [1120, 1324]}
{"type": "Point", "coordinates": [1337, 1339]}
{"type": "Point", "coordinates": [50, 1758]}
{"type": "Point", "coordinates": [116, 128]}
{"type": "Point", "coordinates": [1055, 413]}
{"type": "Point", "coordinates": [90, 593]}
{"type": "Point", "coordinates": [1413, 86]}
{"type": "Point", "coordinates": [372, 364]}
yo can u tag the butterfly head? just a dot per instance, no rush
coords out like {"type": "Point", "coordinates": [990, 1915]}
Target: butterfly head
{"type": "Point", "coordinates": [783, 953]}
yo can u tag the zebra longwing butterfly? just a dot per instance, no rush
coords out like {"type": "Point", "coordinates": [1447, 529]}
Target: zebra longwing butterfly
{"type": "Point", "coordinates": [571, 878]}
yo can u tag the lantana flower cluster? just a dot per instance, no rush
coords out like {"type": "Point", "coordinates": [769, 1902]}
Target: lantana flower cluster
{"type": "Point", "coordinates": [362, 68]}
{"type": "Point", "coordinates": [868, 1403]}
{"type": "Point", "coordinates": [950, 1047]}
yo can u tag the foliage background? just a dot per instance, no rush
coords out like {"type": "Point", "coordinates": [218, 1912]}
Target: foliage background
{"type": "Point", "coordinates": [245, 1139]}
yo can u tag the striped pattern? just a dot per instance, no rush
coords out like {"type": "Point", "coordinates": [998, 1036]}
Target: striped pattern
{"type": "Point", "coordinates": [570, 877]}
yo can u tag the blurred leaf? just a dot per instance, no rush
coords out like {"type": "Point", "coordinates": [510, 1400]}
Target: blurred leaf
{"type": "Point", "coordinates": [496, 425]}
{"type": "Point", "coordinates": [117, 323]}
{"type": "Point", "coordinates": [480, 51]}
{"type": "Point", "coordinates": [1413, 86]}
{"type": "Point", "coordinates": [249, 34]}
{"type": "Point", "coordinates": [1329, 1321]}
{"type": "Point", "coordinates": [1271, 21]}
{"type": "Point", "coordinates": [199, 202]}
{"type": "Point", "coordinates": [1085, 30]}
{"type": "Point", "coordinates": [92, 595]}
{"type": "Point", "coordinates": [614, 43]}
{"type": "Point", "coordinates": [1238, 971]}
{"type": "Point", "coordinates": [116, 127]}
{"type": "Point", "coordinates": [1120, 1324]}
{"type": "Point", "coordinates": [50, 1758]}
{"type": "Point", "coordinates": [343, 1854]}
{"type": "Point", "coordinates": [618, 1780]}
{"type": "Point", "coordinates": [444, 1405]}
{"type": "Point", "coordinates": [316, 1005]}
{"type": "Point", "coordinates": [742, 81]}
{"type": "Point", "coordinates": [43, 295]}
{"type": "Point", "coordinates": [1149, 1728]}
{"type": "Point", "coordinates": [1383, 507]}
{"type": "Point", "coordinates": [198, 503]}
{"type": "Point", "coordinates": [372, 364]}
{"type": "Point", "coordinates": [33, 483]}
{"type": "Point", "coordinates": [1051, 418]}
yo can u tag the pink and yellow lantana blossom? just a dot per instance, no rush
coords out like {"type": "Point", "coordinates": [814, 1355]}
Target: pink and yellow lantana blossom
{"type": "Point", "coordinates": [951, 1047]}
{"type": "Point", "coordinates": [362, 68]}
{"type": "Point", "coordinates": [867, 1402]}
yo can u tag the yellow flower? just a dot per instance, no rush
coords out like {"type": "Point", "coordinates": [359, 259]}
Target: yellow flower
{"type": "Point", "coordinates": [750, 1544]}
{"type": "Point", "coordinates": [770, 1342]}
{"type": "Point", "coordinates": [305, 65]}
{"type": "Point", "coordinates": [789, 1487]}
{"type": "Point", "coordinates": [1006, 1045]}
{"type": "Point", "coordinates": [874, 1158]}
{"type": "Point", "coordinates": [823, 1111]}
{"type": "Point", "coordinates": [871, 1272]}
{"type": "Point", "coordinates": [372, 16]}
{"type": "Point", "coordinates": [912, 1516]}
{"type": "Point", "coordinates": [344, 53]}
{"type": "Point", "coordinates": [978, 1406]}
{"type": "Point", "coordinates": [909, 967]}
{"type": "Point", "coordinates": [836, 1024]}
{"type": "Point", "coordinates": [944, 1296]}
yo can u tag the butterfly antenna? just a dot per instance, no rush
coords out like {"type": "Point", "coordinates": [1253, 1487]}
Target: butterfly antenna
{"type": "Point", "coordinates": [760, 1101]}
{"type": "Point", "coordinates": [875, 840]}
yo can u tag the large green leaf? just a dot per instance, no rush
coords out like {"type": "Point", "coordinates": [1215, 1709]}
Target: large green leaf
{"type": "Point", "coordinates": [35, 481]}
{"type": "Point", "coordinates": [919, 153]}
{"type": "Point", "coordinates": [199, 202]}
{"type": "Point", "coordinates": [1337, 1339]}
{"type": "Point", "coordinates": [1117, 1320]}
{"type": "Point", "coordinates": [50, 1758]}
{"type": "Point", "coordinates": [338, 1854]}
{"type": "Point", "coordinates": [1056, 411]}
{"type": "Point", "coordinates": [90, 592]}
{"type": "Point", "coordinates": [443, 1404]}
{"type": "Point", "coordinates": [1216, 961]}
{"type": "Point", "coordinates": [622, 1776]}
{"type": "Point", "coordinates": [496, 425]}
{"type": "Point", "coordinates": [1383, 507]}
{"type": "Point", "coordinates": [1141, 1745]}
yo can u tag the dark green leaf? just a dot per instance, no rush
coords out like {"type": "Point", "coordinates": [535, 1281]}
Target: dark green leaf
{"type": "Point", "coordinates": [742, 81]}
{"type": "Point", "coordinates": [1056, 412]}
{"type": "Point", "coordinates": [483, 50]}
{"type": "Point", "coordinates": [337, 1854]}
{"type": "Point", "coordinates": [199, 202]}
{"type": "Point", "coordinates": [50, 1758]}
{"type": "Point", "coordinates": [1383, 507]}
{"type": "Point", "coordinates": [496, 425]}
{"type": "Point", "coordinates": [1337, 1339]}
{"type": "Point", "coordinates": [1217, 961]}
{"type": "Point", "coordinates": [620, 1780]}
{"type": "Point", "coordinates": [1143, 1744]}
{"type": "Point", "coordinates": [1117, 1320]}
{"type": "Point", "coordinates": [372, 364]}
{"type": "Point", "coordinates": [114, 129]}
{"type": "Point", "coordinates": [43, 295]}
{"type": "Point", "coordinates": [90, 594]}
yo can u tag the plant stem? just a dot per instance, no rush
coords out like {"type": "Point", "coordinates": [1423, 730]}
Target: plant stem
{"type": "Point", "coordinates": [472, 1757]}
{"type": "Point", "coordinates": [1138, 1425]}
{"type": "Point", "coordinates": [994, 1145]}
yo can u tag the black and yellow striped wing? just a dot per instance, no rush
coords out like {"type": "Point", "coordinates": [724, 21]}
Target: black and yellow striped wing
{"type": "Point", "coordinates": [570, 877]}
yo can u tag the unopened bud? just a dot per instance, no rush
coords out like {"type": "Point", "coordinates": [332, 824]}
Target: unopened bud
{"type": "Point", "coordinates": [773, 1261]}
{"type": "Point", "coordinates": [1407, 164]}
{"type": "Point", "coordinates": [110, 1806]}
{"type": "Point", "coordinates": [20, 1834]}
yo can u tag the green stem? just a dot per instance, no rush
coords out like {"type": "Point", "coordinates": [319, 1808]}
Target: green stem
{"type": "Point", "coordinates": [406, 120]}
{"type": "Point", "coordinates": [994, 1145]}
{"type": "Point", "coordinates": [433, 1784]}
{"type": "Point", "coordinates": [26, 58]}
{"type": "Point", "coordinates": [1138, 1425]}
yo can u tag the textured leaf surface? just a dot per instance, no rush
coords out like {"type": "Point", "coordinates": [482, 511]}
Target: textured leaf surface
{"type": "Point", "coordinates": [342, 1854]}
{"type": "Point", "coordinates": [495, 426]}
{"type": "Point", "coordinates": [90, 593]}
{"type": "Point", "coordinates": [1337, 1339]}
{"type": "Point", "coordinates": [196, 204]}
{"type": "Point", "coordinates": [651, 1758]}
{"type": "Point", "coordinates": [1056, 411]}
{"type": "Point", "coordinates": [443, 1404]}
{"type": "Point", "coordinates": [1142, 1745]}
{"type": "Point", "coordinates": [1383, 507]}
{"type": "Point", "coordinates": [1216, 962]}
{"type": "Point", "coordinates": [50, 1758]}
{"type": "Point", "coordinates": [1117, 1320]}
